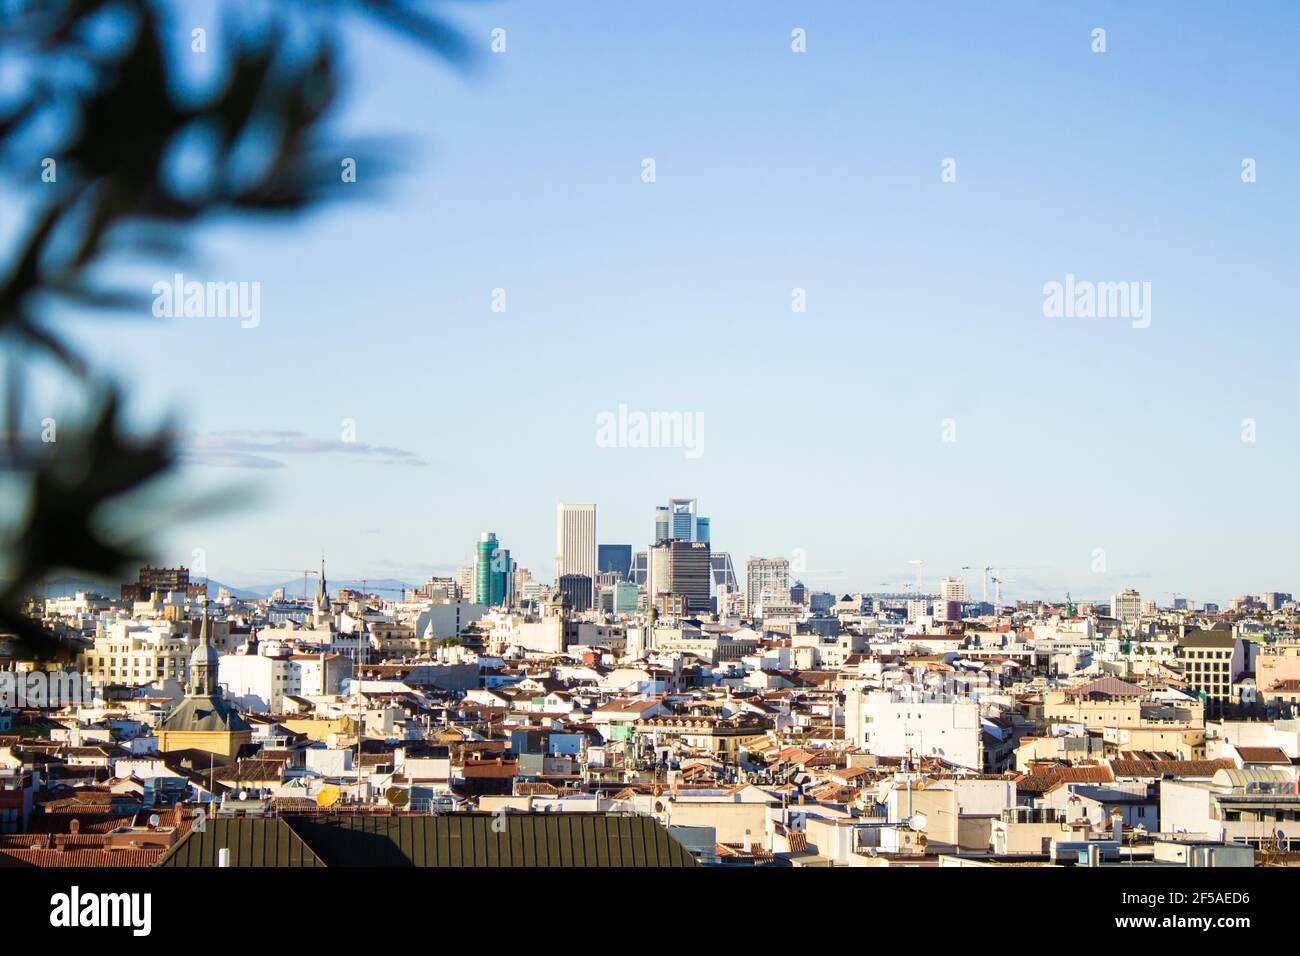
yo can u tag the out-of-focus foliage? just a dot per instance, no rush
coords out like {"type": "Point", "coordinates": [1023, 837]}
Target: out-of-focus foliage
{"type": "Point", "coordinates": [106, 100]}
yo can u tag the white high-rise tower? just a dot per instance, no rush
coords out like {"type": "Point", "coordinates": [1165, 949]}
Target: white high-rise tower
{"type": "Point", "coordinates": [575, 540]}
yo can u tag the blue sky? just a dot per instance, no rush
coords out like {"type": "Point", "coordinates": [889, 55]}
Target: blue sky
{"type": "Point", "coordinates": [776, 170]}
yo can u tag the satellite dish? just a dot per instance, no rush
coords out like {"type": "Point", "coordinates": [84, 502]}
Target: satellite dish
{"type": "Point", "coordinates": [916, 822]}
{"type": "Point", "coordinates": [397, 797]}
{"type": "Point", "coordinates": [328, 796]}
{"type": "Point", "coordinates": [154, 820]}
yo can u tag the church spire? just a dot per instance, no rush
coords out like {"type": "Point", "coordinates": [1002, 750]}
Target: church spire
{"type": "Point", "coordinates": [203, 663]}
{"type": "Point", "coordinates": [322, 592]}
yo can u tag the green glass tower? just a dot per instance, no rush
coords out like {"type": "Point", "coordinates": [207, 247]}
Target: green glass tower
{"type": "Point", "coordinates": [494, 572]}
{"type": "Point", "coordinates": [487, 543]}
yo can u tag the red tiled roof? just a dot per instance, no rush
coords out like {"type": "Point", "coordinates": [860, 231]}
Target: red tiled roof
{"type": "Point", "coordinates": [1097, 774]}
{"type": "Point", "coordinates": [79, 858]}
{"type": "Point", "coordinates": [1170, 768]}
{"type": "Point", "coordinates": [1263, 755]}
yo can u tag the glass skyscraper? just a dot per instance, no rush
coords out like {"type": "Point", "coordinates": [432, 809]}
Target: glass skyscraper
{"type": "Point", "coordinates": [494, 572]}
{"type": "Point", "coordinates": [663, 525]}
{"type": "Point", "coordinates": [614, 557]}
{"type": "Point", "coordinates": [683, 516]}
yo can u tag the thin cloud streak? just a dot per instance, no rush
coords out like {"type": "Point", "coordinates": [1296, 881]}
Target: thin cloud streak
{"type": "Point", "coordinates": [260, 449]}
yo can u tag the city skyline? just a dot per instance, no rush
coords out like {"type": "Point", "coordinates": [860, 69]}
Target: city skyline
{"type": "Point", "coordinates": [747, 437]}
{"type": "Point", "coordinates": [339, 419]}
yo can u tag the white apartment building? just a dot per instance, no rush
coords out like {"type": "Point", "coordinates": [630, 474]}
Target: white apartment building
{"type": "Point", "coordinates": [1246, 806]}
{"type": "Point", "coordinates": [447, 620]}
{"type": "Point", "coordinates": [896, 723]}
{"type": "Point", "coordinates": [1126, 606]}
{"type": "Point", "coordinates": [766, 580]}
{"type": "Point", "coordinates": [134, 653]}
{"type": "Point", "coordinates": [259, 682]}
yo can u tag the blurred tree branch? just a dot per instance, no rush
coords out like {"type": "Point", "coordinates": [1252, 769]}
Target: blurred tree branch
{"type": "Point", "coordinates": [104, 99]}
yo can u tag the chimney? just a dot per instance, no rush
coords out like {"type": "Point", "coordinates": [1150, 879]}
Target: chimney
{"type": "Point", "coordinates": [749, 845]}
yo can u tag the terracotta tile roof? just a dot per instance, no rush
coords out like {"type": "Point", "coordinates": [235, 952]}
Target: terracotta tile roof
{"type": "Point", "coordinates": [478, 769]}
{"type": "Point", "coordinates": [79, 858]}
{"type": "Point", "coordinates": [1264, 755]}
{"type": "Point", "coordinates": [1170, 768]}
{"type": "Point", "coordinates": [1097, 774]}
{"type": "Point", "coordinates": [39, 823]}
{"type": "Point", "coordinates": [1036, 783]}
{"type": "Point", "coordinates": [1047, 779]}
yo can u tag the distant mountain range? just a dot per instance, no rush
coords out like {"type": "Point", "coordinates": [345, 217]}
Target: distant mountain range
{"type": "Point", "coordinates": [384, 587]}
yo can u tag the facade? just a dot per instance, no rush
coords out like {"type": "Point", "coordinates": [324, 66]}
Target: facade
{"type": "Point", "coordinates": [682, 511]}
{"type": "Point", "coordinates": [614, 558]}
{"type": "Point", "coordinates": [626, 597]}
{"type": "Point", "coordinates": [663, 524]}
{"type": "Point", "coordinates": [1211, 662]}
{"type": "Point", "coordinates": [447, 620]}
{"type": "Point", "coordinates": [153, 580]}
{"type": "Point", "coordinates": [132, 654]}
{"type": "Point", "coordinates": [575, 540]}
{"type": "Point", "coordinates": [683, 569]}
{"type": "Point", "coordinates": [766, 579]}
{"type": "Point", "coordinates": [1277, 675]}
{"type": "Point", "coordinates": [258, 682]}
{"type": "Point", "coordinates": [892, 725]}
{"type": "Point", "coordinates": [494, 573]}
{"type": "Point", "coordinates": [576, 588]}
{"type": "Point", "coordinates": [465, 578]}
{"type": "Point", "coordinates": [1126, 606]}
{"type": "Point", "coordinates": [1250, 806]}
{"type": "Point", "coordinates": [640, 573]}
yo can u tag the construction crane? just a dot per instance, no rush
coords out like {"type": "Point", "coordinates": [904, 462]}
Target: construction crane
{"type": "Point", "coordinates": [997, 593]}
{"type": "Point", "coordinates": [989, 573]}
{"type": "Point", "coordinates": [986, 570]}
{"type": "Point", "coordinates": [305, 572]}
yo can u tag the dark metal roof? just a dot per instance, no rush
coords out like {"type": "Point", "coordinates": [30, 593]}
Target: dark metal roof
{"type": "Point", "coordinates": [252, 841]}
{"type": "Point", "coordinates": [449, 840]}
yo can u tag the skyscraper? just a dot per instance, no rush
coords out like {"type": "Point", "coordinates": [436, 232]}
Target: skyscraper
{"type": "Point", "coordinates": [683, 518]}
{"type": "Point", "coordinates": [640, 571]}
{"type": "Point", "coordinates": [663, 525]}
{"type": "Point", "coordinates": [614, 557]}
{"type": "Point", "coordinates": [683, 569]}
{"type": "Point", "coordinates": [494, 572]}
{"type": "Point", "coordinates": [702, 529]}
{"type": "Point", "coordinates": [765, 579]}
{"type": "Point", "coordinates": [578, 589]}
{"type": "Point", "coordinates": [575, 540]}
{"type": "Point", "coordinates": [487, 543]}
